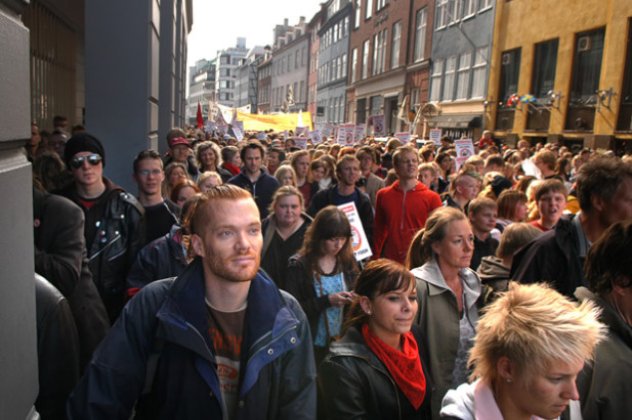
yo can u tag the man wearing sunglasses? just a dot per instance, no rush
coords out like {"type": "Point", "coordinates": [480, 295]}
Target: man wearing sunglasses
{"type": "Point", "coordinates": [114, 227]}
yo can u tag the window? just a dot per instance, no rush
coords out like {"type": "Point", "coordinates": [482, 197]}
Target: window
{"type": "Point", "coordinates": [396, 44]}
{"type": "Point", "coordinates": [345, 26]}
{"type": "Point", "coordinates": [463, 76]}
{"type": "Point", "coordinates": [625, 112]}
{"type": "Point", "coordinates": [301, 91]}
{"type": "Point", "coordinates": [414, 98]}
{"type": "Point", "coordinates": [469, 7]}
{"type": "Point", "coordinates": [486, 4]}
{"type": "Point", "coordinates": [544, 64]}
{"type": "Point", "coordinates": [587, 65]}
{"type": "Point", "coordinates": [379, 5]}
{"type": "Point", "coordinates": [343, 66]}
{"type": "Point", "coordinates": [356, 20]}
{"type": "Point", "coordinates": [435, 80]}
{"type": "Point", "coordinates": [379, 52]}
{"type": "Point", "coordinates": [454, 11]}
{"type": "Point", "coordinates": [509, 73]}
{"type": "Point", "coordinates": [369, 9]}
{"type": "Point", "coordinates": [365, 59]}
{"type": "Point", "coordinates": [354, 64]}
{"type": "Point", "coordinates": [420, 34]}
{"type": "Point", "coordinates": [448, 82]}
{"type": "Point", "coordinates": [442, 14]}
{"type": "Point", "coordinates": [479, 70]}
{"type": "Point", "coordinates": [376, 105]}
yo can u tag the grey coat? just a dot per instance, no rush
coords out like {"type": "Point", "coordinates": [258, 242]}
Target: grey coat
{"type": "Point", "coordinates": [438, 318]}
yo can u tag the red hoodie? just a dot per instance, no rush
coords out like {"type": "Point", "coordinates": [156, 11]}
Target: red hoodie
{"type": "Point", "coordinates": [398, 216]}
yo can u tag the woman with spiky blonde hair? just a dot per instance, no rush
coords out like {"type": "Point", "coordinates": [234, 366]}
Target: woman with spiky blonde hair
{"type": "Point", "coordinates": [530, 346]}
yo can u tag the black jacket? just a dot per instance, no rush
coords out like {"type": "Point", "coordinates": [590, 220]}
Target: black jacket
{"type": "Point", "coordinates": [60, 257]}
{"type": "Point", "coordinates": [552, 257]}
{"type": "Point", "coordinates": [323, 198]}
{"type": "Point", "coordinates": [300, 283]}
{"type": "Point", "coordinates": [116, 220]}
{"type": "Point", "coordinates": [57, 350]}
{"type": "Point", "coordinates": [605, 385]}
{"type": "Point", "coordinates": [357, 385]}
{"type": "Point", "coordinates": [277, 373]}
{"type": "Point", "coordinates": [262, 189]}
{"type": "Point", "coordinates": [160, 259]}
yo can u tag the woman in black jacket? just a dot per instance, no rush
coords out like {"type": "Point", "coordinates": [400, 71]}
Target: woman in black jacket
{"type": "Point", "coordinates": [321, 276]}
{"type": "Point", "coordinates": [376, 371]}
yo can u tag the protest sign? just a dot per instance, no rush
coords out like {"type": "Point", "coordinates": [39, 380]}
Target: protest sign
{"type": "Point", "coordinates": [359, 242]}
{"type": "Point", "coordinates": [464, 149]}
{"type": "Point", "coordinates": [378, 125]}
{"type": "Point", "coordinates": [403, 136]}
{"type": "Point", "coordinates": [435, 136]}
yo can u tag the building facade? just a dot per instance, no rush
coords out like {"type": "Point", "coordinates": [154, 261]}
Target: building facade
{"type": "Point", "coordinates": [313, 28]}
{"type": "Point", "coordinates": [378, 56]}
{"type": "Point", "coordinates": [569, 82]}
{"type": "Point", "coordinates": [290, 64]}
{"type": "Point", "coordinates": [201, 87]}
{"type": "Point", "coordinates": [128, 100]}
{"type": "Point", "coordinates": [228, 61]}
{"type": "Point", "coordinates": [461, 43]}
{"type": "Point", "coordinates": [332, 66]}
{"type": "Point", "coordinates": [264, 76]}
{"type": "Point", "coordinates": [246, 81]}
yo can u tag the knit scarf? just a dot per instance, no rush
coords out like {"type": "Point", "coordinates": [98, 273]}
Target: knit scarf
{"type": "Point", "coordinates": [233, 169]}
{"type": "Point", "coordinates": [404, 366]}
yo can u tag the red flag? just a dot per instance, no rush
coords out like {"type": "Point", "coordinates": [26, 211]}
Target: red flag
{"type": "Point", "coordinates": [200, 120]}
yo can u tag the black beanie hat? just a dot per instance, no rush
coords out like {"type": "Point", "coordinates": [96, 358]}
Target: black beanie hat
{"type": "Point", "coordinates": [500, 184]}
{"type": "Point", "coordinates": [83, 142]}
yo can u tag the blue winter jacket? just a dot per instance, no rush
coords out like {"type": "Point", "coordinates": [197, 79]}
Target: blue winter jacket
{"type": "Point", "coordinates": [165, 325]}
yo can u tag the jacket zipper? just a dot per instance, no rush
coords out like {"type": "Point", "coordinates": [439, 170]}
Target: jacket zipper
{"type": "Point", "coordinates": [106, 246]}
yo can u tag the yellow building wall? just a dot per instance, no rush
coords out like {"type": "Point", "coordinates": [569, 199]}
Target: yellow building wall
{"type": "Point", "coordinates": [523, 23]}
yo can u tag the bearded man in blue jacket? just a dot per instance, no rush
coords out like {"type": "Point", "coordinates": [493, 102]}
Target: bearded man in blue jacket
{"type": "Point", "coordinates": [220, 341]}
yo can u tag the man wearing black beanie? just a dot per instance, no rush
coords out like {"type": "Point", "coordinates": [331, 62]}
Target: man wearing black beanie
{"type": "Point", "coordinates": [114, 228]}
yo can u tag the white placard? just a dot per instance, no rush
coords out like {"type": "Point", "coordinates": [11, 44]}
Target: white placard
{"type": "Point", "coordinates": [378, 125]}
{"type": "Point", "coordinates": [300, 142]}
{"type": "Point", "coordinates": [345, 134]}
{"type": "Point", "coordinates": [435, 136]}
{"type": "Point", "coordinates": [403, 136]}
{"type": "Point", "coordinates": [316, 136]}
{"type": "Point", "coordinates": [359, 242]}
{"type": "Point", "coordinates": [464, 149]}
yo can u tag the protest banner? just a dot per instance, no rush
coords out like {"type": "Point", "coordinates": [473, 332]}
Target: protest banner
{"type": "Point", "coordinates": [238, 134]}
{"type": "Point", "coordinates": [403, 136]}
{"type": "Point", "coordinates": [345, 134]}
{"type": "Point", "coordinates": [378, 125]}
{"type": "Point", "coordinates": [435, 136]}
{"type": "Point", "coordinates": [464, 149]}
{"type": "Point", "coordinates": [359, 133]}
{"type": "Point", "coordinates": [359, 242]}
{"type": "Point", "coordinates": [316, 136]}
{"type": "Point", "coordinates": [300, 142]}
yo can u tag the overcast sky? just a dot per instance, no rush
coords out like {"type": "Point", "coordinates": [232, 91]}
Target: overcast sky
{"type": "Point", "coordinates": [218, 23]}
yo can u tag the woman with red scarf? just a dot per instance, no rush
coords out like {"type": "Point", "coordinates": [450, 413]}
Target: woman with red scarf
{"type": "Point", "coordinates": [375, 371]}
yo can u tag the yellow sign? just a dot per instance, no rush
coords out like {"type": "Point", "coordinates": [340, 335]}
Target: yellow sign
{"type": "Point", "coordinates": [280, 122]}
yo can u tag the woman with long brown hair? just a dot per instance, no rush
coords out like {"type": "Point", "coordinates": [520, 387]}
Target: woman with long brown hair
{"type": "Point", "coordinates": [376, 370]}
{"type": "Point", "coordinates": [322, 274]}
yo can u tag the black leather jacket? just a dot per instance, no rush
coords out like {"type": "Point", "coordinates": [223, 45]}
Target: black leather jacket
{"type": "Point", "coordinates": [356, 384]}
{"type": "Point", "coordinates": [118, 219]}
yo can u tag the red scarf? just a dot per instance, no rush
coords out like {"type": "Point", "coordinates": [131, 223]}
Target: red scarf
{"type": "Point", "coordinates": [233, 169]}
{"type": "Point", "coordinates": [404, 366]}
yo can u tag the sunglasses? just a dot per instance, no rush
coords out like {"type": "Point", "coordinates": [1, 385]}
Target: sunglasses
{"type": "Point", "coordinates": [93, 159]}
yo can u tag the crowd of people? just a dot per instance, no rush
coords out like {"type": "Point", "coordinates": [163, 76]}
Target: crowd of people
{"type": "Point", "coordinates": [227, 285]}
